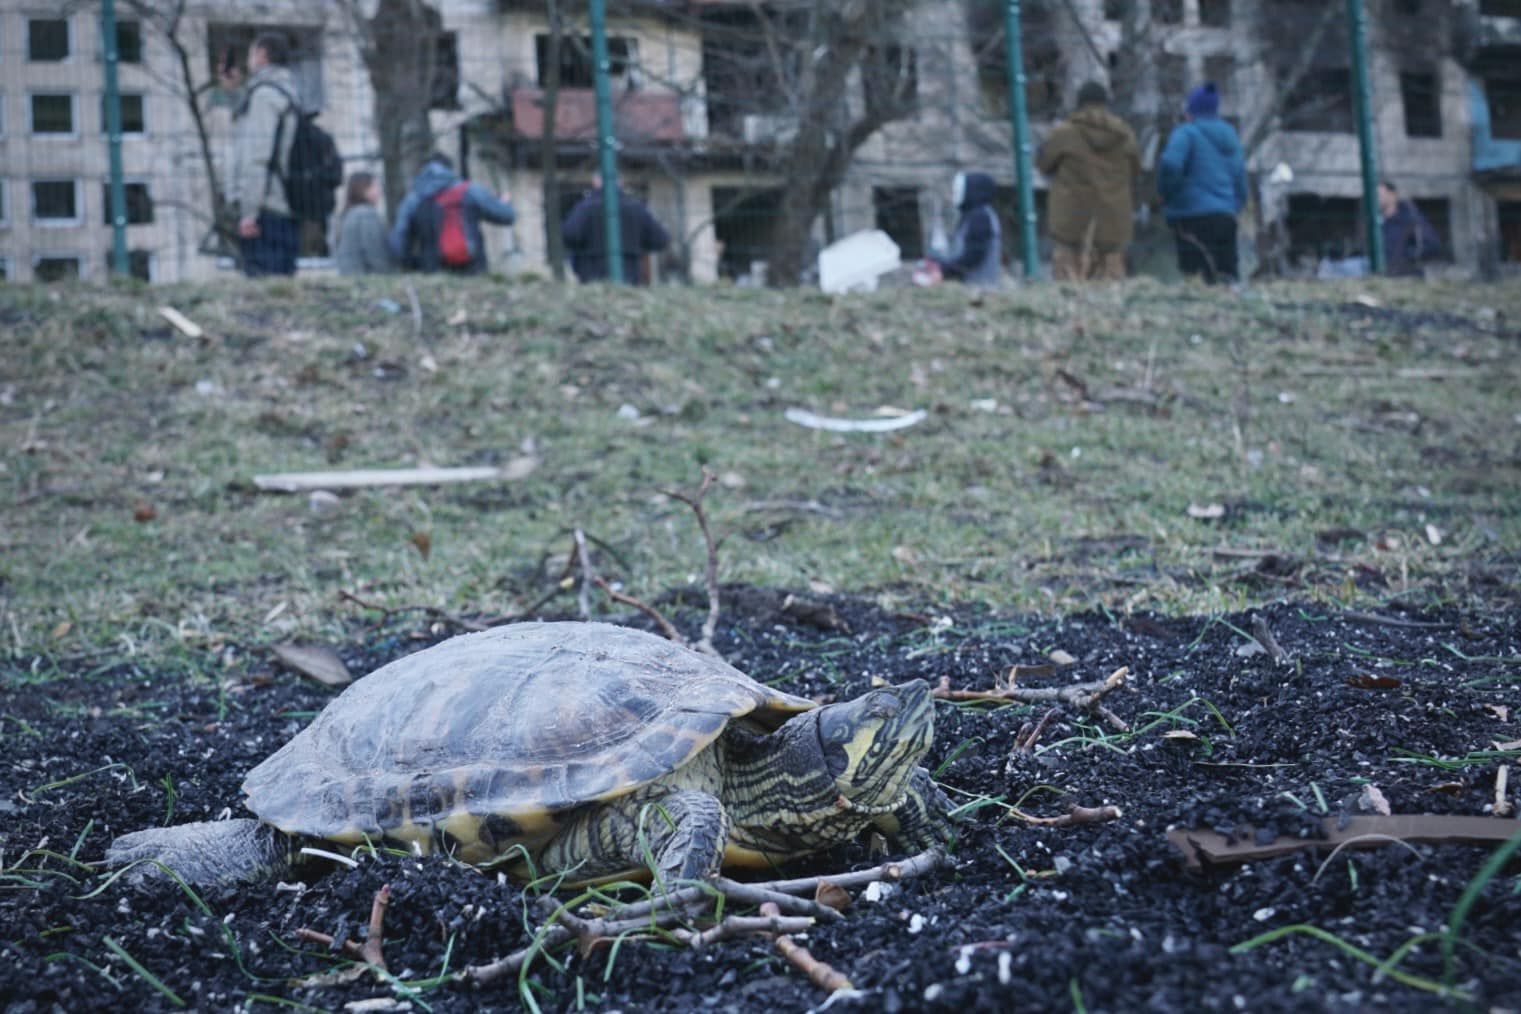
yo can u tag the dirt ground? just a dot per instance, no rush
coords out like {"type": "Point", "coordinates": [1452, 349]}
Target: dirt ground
{"type": "Point", "coordinates": [1099, 917]}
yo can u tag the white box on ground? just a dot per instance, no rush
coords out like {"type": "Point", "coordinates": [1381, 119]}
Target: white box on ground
{"type": "Point", "coordinates": [854, 264]}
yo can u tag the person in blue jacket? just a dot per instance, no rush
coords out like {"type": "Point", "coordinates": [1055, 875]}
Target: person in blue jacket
{"type": "Point", "coordinates": [976, 247]}
{"type": "Point", "coordinates": [414, 236]}
{"type": "Point", "coordinates": [1202, 179]}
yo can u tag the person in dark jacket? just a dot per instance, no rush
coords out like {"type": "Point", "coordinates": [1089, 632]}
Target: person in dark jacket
{"type": "Point", "coordinates": [1202, 179]}
{"type": "Point", "coordinates": [414, 234]}
{"type": "Point", "coordinates": [362, 248]}
{"type": "Point", "coordinates": [976, 245]}
{"type": "Point", "coordinates": [1409, 239]}
{"type": "Point", "coordinates": [585, 235]}
{"type": "Point", "coordinates": [1091, 160]}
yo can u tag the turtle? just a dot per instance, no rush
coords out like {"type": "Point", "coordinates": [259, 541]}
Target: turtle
{"type": "Point", "coordinates": [586, 750]}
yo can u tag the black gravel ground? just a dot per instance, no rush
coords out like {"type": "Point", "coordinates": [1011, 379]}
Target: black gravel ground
{"type": "Point", "coordinates": [1098, 917]}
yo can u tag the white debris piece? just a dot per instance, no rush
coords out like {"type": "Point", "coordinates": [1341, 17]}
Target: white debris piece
{"type": "Point", "coordinates": [854, 264]}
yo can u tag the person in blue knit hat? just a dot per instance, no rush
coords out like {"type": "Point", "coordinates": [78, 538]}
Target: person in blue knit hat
{"type": "Point", "coordinates": [1202, 179]}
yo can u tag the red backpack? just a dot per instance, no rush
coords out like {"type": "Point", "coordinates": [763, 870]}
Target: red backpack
{"type": "Point", "coordinates": [453, 245]}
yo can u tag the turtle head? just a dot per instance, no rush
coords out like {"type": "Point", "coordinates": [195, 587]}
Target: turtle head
{"type": "Point", "coordinates": [871, 744]}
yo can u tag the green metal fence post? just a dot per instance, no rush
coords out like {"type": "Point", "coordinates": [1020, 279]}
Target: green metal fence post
{"type": "Point", "coordinates": [113, 139]}
{"type": "Point", "coordinates": [1021, 123]}
{"type": "Point", "coordinates": [1357, 32]}
{"type": "Point", "coordinates": [606, 142]}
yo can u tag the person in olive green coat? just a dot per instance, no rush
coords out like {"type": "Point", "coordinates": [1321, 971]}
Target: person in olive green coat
{"type": "Point", "coordinates": [1091, 161]}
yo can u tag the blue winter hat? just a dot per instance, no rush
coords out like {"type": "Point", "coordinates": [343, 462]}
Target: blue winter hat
{"type": "Point", "coordinates": [1204, 100]}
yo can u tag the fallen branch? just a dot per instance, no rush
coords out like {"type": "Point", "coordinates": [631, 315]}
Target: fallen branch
{"type": "Point", "coordinates": [1201, 846]}
{"type": "Point", "coordinates": [676, 906]}
{"type": "Point", "coordinates": [819, 973]}
{"type": "Point", "coordinates": [1393, 621]}
{"type": "Point", "coordinates": [371, 951]}
{"type": "Point", "coordinates": [745, 925]}
{"type": "Point", "coordinates": [665, 625]}
{"type": "Point", "coordinates": [1084, 696]}
{"type": "Point", "coordinates": [433, 611]}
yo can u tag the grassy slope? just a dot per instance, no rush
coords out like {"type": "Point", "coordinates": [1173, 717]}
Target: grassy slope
{"type": "Point", "coordinates": [1295, 416]}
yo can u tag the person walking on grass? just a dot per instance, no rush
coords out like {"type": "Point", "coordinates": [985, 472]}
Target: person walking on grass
{"type": "Point", "coordinates": [1202, 179]}
{"type": "Point", "coordinates": [585, 234]}
{"type": "Point", "coordinates": [363, 248]}
{"type": "Point", "coordinates": [1409, 239]}
{"type": "Point", "coordinates": [1091, 160]}
{"type": "Point", "coordinates": [268, 234]}
{"type": "Point", "coordinates": [438, 226]}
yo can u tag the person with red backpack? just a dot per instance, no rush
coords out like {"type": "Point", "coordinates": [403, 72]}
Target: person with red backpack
{"type": "Point", "coordinates": [438, 226]}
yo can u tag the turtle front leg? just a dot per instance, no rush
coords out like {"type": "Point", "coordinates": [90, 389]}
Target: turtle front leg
{"type": "Point", "coordinates": [680, 836]}
{"type": "Point", "coordinates": [204, 853]}
{"type": "Point", "coordinates": [923, 820]}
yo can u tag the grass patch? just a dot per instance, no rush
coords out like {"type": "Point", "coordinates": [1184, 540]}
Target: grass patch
{"type": "Point", "coordinates": [1070, 432]}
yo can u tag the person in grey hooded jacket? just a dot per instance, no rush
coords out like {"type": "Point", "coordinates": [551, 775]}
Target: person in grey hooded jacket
{"type": "Point", "coordinates": [415, 233]}
{"type": "Point", "coordinates": [268, 235]}
{"type": "Point", "coordinates": [1202, 178]}
{"type": "Point", "coordinates": [976, 248]}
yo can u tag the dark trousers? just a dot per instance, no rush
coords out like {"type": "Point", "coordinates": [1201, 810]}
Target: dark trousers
{"type": "Point", "coordinates": [1206, 246]}
{"type": "Point", "coordinates": [273, 250]}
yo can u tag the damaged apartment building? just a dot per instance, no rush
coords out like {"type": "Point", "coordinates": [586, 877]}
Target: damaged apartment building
{"type": "Point", "coordinates": [705, 95]}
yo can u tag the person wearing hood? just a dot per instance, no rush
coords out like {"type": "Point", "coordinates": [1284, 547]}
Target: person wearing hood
{"type": "Point", "coordinates": [1091, 160]}
{"type": "Point", "coordinates": [1409, 238]}
{"type": "Point", "coordinates": [585, 235]}
{"type": "Point", "coordinates": [268, 235]}
{"type": "Point", "coordinates": [1202, 179]}
{"type": "Point", "coordinates": [438, 226]}
{"type": "Point", "coordinates": [976, 247]}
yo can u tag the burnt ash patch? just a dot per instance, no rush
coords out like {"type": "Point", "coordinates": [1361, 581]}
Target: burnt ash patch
{"type": "Point", "coordinates": [1028, 918]}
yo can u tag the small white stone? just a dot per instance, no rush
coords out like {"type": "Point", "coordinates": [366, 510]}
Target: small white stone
{"type": "Point", "coordinates": [1264, 914]}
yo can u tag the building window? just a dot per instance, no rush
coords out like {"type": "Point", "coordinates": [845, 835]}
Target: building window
{"type": "Point", "coordinates": [1504, 97]}
{"type": "Point", "coordinates": [1323, 227]}
{"type": "Point", "coordinates": [1500, 8]}
{"type": "Point", "coordinates": [5, 270]}
{"type": "Point", "coordinates": [139, 263]}
{"type": "Point", "coordinates": [890, 78]}
{"type": "Point", "coordinates": [129, 42]}
{"type": "Point", "coordinates": [133, 120]}
{"type": "Point", "coordinates": [231, 41]}
{"type": "Point", "coordinates": [897, 214]}
{"type": "Point", "coordinates": [1114, 10]}
{"type": "Point", "coordinates": [1510, 232]}
{"type": "Point", "coordinates": [139, 204]}
{"type": "Point", "coordinates": [48, 40]}
{"type": "Point", "coordinates": [1423, 104]}
{"type": "Point", "coordinates": [1043, 60]}
{"type": "Point", "coordinates": [1215, 13]}
{"type": "Point", "coordinates": [444, 93]}
{"type": "Point", "coordinates": [55, 269]}
{"type": "Point", "coordinates": [55, 202]}
{"type": "Point", "coordinates": [576, 65]}
{"type": "Point", "coordinates": [1408, 8]}
{"type": "Point", "coordinates": [53, 114]}
{"type": "Point", "coordinates": [1321, 101]}
{"type": "Point", "coordinates": [5, 204]}
{"type": "Point", "coordinates": [1168, 12]}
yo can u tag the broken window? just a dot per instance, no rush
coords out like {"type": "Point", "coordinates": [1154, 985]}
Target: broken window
{"type": "Point", "coordinates": [897, 214]}
{"type": "Point", "coordinates": [743, 76]}
{"type": "Point", "coordinates": [1215, 13]}
{"type": "Point", "coordinates": [744, 221]}
{"type": "Point", "coordinates": [53, 114]}
{"type": "Point", "coordinates": [1041, 52]}
{"type": "Point", "coordinates": [1438, 211]}
{"type": "Point", "coordinates": [55, 269]}
{"type": "Point", "coordinates": [1321, 100]}
{"type": "Point", "coordinates": [132, 120]}
{"type": "Point", "coordinates": [47, 40]}
{"type": "Point", "coordinates": [444, 92]}
{"type": "Point", "coordinates": [1510, 231]}
{"type": "Point", "coordinates": [577, 68]}
{"type": "Point", "coordinates": [1423, 103]}
{"type": "Point", "coordinates": [139, 204]}
{"type": "Point", "coordinates": [229, 43]}
{"type": "Point", "coordinates": [1504, 97]}
{"type": "Point", "coordinates": [55, 201]}
{"type": "Point", "coordinates": [1322, 226]}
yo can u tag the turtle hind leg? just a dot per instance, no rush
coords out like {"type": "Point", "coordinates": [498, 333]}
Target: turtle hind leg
{"type": "Point", "coordinates": [680, 836]}
{"type": "Point", "coordinates": [206, 853]}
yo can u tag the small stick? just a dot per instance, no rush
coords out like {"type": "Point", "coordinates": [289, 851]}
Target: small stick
{"type": "Point", "coordinates": [1502, 779]}
{"type": "Point", "coordinates": [588, 575]}
{"type": "Point", "coordinates": [433, 611]}
{"type": "Point", "coordinates": [1085, 696]}
{"type": "Point", "coordinates": [1264, 636]}
{"type": "Point", "coordinates": [744, 925]}
{"type": "Point", "coordinates": [1025, 742]}
{"type": "Point", "coordinates": [1075, 815]}
{"type": "Point", "coordinates": [665, 625]}
{"type": "Point", "coordinates": [819, 973]}
{"type": "Point", "coordinates": [417, 318]}
{"type": "Point", "coordinates": [710, 625]}
{"type": "Point", "coordinates": [371, 951]}
{"type": "Point", "coordinates": [1393, 621]}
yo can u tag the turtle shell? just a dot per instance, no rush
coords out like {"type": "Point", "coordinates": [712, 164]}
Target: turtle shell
{"type": "Point", "coordinates": [482, 741]}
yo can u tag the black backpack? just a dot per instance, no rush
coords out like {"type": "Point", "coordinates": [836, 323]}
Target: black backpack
{"type": "Point", "coordinates": [313, 170]}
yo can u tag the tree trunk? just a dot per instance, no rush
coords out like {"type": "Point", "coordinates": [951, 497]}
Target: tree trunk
{"type": "Point", "coordinates": [399, 46]}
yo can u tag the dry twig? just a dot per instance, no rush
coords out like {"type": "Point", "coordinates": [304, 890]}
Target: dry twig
{"type": "Point", "coordinates": [371, 951]}
{"type": "Point", "coordinates": [1264, 637]}
{"type": "Point", "coordinates": [820, 973]}
{"type": "Point", "coordinates": [438, 614]}
{"type": "Point", "coordinates": [710, 625]}
{"type": "Point", "coordinates": [1084, 696]}
{"type": "Point", "coordinates": [1075, 815]}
